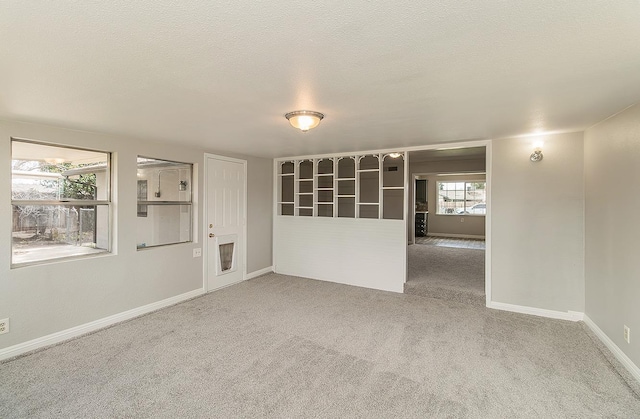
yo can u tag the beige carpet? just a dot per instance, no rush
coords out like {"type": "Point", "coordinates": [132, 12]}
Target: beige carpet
{"type": "Point", "coordinates": [280, 346]}
{"type": "Point", "coordinates": [451, 242]}
{"type": "Point", "coordinates": [448, 273]}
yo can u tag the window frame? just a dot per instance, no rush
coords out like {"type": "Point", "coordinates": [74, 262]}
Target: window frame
{"type": "Point", "coordinates": [65, 202]}
{"type": "Point", "coordinates": [151, 203]}
{"type": "Point", "coordinates": [465, 213]}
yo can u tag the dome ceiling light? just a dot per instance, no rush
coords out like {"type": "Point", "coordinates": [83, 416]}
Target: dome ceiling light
{"type": "Point", "coordinates": [304, 120]}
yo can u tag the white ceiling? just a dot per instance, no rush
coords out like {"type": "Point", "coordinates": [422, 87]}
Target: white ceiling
{"type": "Point", "coordinates": [221, 74]}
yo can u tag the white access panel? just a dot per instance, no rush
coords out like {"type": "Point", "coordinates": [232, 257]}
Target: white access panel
{"type": "Point", "coordinates": [367, 253]}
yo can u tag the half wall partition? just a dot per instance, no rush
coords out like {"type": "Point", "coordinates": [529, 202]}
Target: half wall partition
{"type": "Point", "coordinates": [341, 218]}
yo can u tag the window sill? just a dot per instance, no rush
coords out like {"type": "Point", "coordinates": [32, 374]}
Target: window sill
{"type": "Point", "coordinates": [91, 253]}
{"type": "Point", "coordinates": [154, 246]}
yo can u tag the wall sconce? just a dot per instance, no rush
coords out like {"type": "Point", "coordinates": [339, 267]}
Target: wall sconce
{"type": "Point", "coordinates": [182, 186]}
{"type": "Point", "coordinates": [536, 156]}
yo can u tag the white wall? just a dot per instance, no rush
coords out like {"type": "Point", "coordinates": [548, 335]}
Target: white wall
{"type": "Point", "coordinates": [537, 219]}
{"type": "Point", "coordinates": [363, 252]}
{"type": "Point", "coordinates": [447, 166]}
{"type": "Point", "coordinates": [259, 213]}
{"type": "Point", "coordinates": [612, 271]}
{"type": "Point", "coordinates": [48, 298]}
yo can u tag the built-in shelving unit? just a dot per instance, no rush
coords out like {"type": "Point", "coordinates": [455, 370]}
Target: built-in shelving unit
{"type": "Point", "coordinates": [358, 186]}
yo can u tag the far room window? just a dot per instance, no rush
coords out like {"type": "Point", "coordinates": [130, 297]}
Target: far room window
{"type": "Point", "coordinates": [60, 198]}
{"type": "Point", "coordinates": [164, 202]}
{"type": "Point", "coordinates": [462, 198]}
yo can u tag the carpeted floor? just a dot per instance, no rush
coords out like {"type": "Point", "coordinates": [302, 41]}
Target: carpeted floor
{"type": "Point", "coordinates": [447, 273]}
{"type": "Point", "coordinates": [451, 242]}
{"type": "Point", "coordinates": [280, 346]}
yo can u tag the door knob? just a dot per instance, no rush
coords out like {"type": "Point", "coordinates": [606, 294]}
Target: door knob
{"type": "Point", "coordinates": [211, 235]}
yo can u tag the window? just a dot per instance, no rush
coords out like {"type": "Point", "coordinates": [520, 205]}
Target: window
{"type": "Point", "coordinates": [164, 202]}
{"type": "Point", "coordinates": [60, 198]}
{"type": "Point", "coordinates": [462, 198]}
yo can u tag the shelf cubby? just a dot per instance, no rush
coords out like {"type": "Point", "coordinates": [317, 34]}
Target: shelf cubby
{"type": "Point", "coordinates": [346, 206]}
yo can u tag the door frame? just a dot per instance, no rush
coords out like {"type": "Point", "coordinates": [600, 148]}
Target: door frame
{"type": "Point", "coordinates": [205, 245]}
{"type": "Point", "coordinates": [487, 219]}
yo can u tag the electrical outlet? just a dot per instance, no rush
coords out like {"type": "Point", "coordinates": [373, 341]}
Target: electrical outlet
{"type": "Point", "coordinates": [4, 326]}
{"type": "Point", "coordinates": [627, 334]}
{"type": "Point", "coordinates": [462, 219]}
{"type": "Point", "coordinates": [197, 252]}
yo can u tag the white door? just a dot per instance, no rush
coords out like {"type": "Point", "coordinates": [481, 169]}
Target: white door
{"type": "Point", "coordinates": [225, 221]}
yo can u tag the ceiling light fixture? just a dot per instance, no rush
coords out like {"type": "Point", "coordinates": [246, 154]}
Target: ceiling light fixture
{"type": "Point", "coordinates": [304, 120]}
{"type": "Point", "coordinates": [395, 155]}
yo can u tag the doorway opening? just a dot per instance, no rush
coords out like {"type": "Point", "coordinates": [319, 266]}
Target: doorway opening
{"type": "Point", "coordinates": [447, 210]}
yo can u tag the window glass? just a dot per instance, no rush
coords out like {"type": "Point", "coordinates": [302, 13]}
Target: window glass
{"type": "Point", "coordinates": [60, 200]}
{"type": "Point", "coordinates": [462, 198]}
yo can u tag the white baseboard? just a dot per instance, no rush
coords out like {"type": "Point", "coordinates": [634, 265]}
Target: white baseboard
{"type": "Point", "coordinates": [617, 352]}
{"type": "Point", "coordinates": [76, 331]}
{"type": "Point", "coordinates": [573, 316]}
{"type": "Point", "coordinates": [259, 272]}
{"type": "Point", "coordinates": [456, 236]}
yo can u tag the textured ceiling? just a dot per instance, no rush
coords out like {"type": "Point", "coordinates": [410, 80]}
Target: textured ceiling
{"type": "Point", "coordinates": [221, 74]}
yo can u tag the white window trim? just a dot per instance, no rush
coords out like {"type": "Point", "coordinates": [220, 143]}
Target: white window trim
{"type": "Point", "coordinates": [466, 214]}
{"type": "Point", "coordinates": [68, 203]}
{"type": "Point", "coordinates": [188, 203]}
